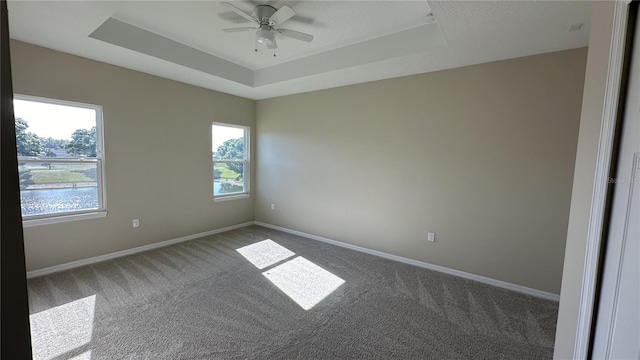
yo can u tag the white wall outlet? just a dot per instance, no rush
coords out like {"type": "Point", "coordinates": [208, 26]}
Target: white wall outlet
{"type": "Point", "coordinates": [431, 236]}
{"type": "Point", "coordinates": [136, 223]}
{"type": "Point", "coordinates": [273, 206]}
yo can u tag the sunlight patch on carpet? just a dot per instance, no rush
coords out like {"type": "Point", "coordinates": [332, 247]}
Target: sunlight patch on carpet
{"type": "Point", "coordinates": [61, 329]}
{"type": "Point", "coordinates": [265, 253]}
{"type": "Point", "coordinates": [303, 281]}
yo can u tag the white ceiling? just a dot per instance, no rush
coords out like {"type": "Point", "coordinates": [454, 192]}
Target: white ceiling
{"type": "Point", "coordinates": [354, 41]}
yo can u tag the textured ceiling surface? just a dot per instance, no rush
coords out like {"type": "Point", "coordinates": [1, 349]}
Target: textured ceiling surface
{"type": "Point", "coordinates": [354, 41]}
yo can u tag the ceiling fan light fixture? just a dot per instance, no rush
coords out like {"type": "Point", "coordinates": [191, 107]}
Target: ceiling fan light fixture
{"type": "Point", "coordinates": [265, 36]}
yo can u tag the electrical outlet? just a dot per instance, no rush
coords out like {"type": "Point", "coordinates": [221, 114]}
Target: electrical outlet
{"type": "Point", "coordinates": [273, 206]}
{"type": "Point", "coordinates": [136, 223]}
{"type": "Point", "coordinates": [431, 236]}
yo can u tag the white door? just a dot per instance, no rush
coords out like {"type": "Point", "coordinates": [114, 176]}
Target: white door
{"type": "Point", "coordinates": [617, 332]}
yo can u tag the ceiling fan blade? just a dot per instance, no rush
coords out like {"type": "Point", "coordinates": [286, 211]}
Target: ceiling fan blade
{"type": "Point", "coordinates": [239, 12]}
{"type": "Point", "coordinates": [295, 35]}
{"type": "Point", "coordinates": [272, 45]}
{"type": "Point", "coordinates": [239, 29]}
{"type": "Point", "coordinates": [283, 14]}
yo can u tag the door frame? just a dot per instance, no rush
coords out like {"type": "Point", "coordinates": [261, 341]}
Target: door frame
{"type": "Point", "coordinates": [601, 190]}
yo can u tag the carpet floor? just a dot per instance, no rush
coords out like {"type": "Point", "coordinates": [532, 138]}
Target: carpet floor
{"type": "Point", "coordinates": [288, 298]}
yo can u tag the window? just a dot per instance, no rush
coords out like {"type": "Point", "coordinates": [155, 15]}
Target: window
{"type": "Point", "coordinates": [230, 147]}
{"type": "Point", "coordinates": [60, 160]}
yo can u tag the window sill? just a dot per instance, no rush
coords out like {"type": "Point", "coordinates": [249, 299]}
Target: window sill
{"type": "Point", "coordinates": [63, 218]}
{"type": "Point", "coordinates": [230, 197]}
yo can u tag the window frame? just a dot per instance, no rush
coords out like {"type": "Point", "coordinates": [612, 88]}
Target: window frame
{"type": "Point", "coordinates": [99, 160]}
{"type": "Point", "coordinates": [247, 171]}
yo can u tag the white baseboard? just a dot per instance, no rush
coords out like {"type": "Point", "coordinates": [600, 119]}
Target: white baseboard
{"type": "Point", "coordinates": [462, 274]}
{"type": "Point", "coordinates": [117, 254]}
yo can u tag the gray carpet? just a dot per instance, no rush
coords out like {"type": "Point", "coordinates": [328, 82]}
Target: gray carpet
{"type": "Point", "coordinates": [203, 300]}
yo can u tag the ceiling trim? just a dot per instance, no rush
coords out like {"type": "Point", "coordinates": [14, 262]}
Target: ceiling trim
{"type": "Point", "coordinates": [416, 40]}
{"type": "Point", "coordinates": [402, 43]}
{"type": "Point", "coordinates": [131, 37]}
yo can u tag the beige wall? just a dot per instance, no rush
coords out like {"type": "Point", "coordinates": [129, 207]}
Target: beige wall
{"type": "Point", "coordinates": [481, 155]}
{"type": "Point", "coordinates": [157, 151]}
{"type": "Point", "coordinates": [583, 181]}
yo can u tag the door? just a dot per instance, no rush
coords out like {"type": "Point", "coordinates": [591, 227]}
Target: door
{"type": "Point", "coordinates": [617, 331]}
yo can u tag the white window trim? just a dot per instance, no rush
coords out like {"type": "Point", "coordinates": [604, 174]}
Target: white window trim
{"type": "Point", "coordinates": [238, 196]}
{"type": "Point", "coordinates": [246, 161]}
{"type": "Point", "coordinates": [54, 218]}
{"type": "Point", "coordinates": [62, 218]}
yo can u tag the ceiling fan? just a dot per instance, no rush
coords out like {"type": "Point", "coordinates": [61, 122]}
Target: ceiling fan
{"type": "Point", "coordinates": [267, 19]}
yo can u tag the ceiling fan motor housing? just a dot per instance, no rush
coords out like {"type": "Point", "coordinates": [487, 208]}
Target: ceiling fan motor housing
{"type": "Point", "coordinates": [264, 13]}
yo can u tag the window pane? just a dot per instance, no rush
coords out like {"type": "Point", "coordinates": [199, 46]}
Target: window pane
{"type": "Point", "coordinates": [47, 188]}
{"type": "Point", "coordinates": [227, 142]}
{"type": "Point", "coordinates": [51, 130]}
{"type": "Point", "coordinates": [228, 178]}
